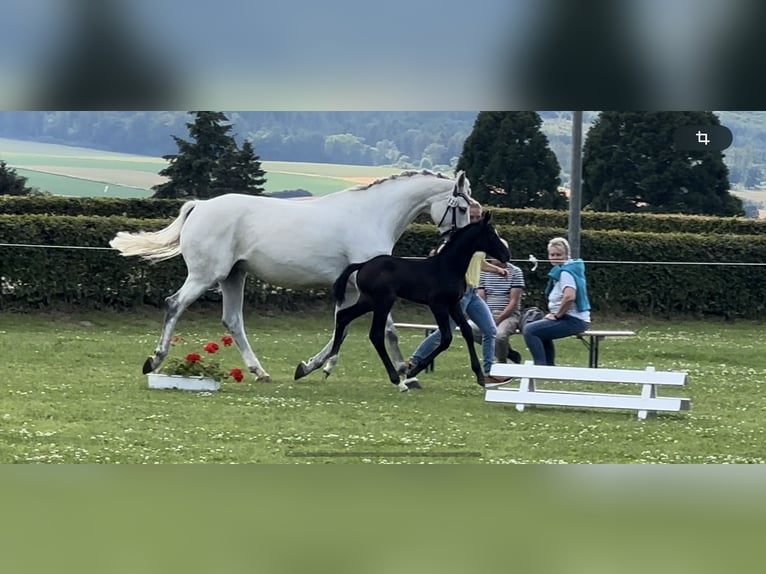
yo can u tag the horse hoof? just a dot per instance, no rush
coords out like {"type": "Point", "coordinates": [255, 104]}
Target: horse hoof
{"type": "Point", "coordinates": [148, 367]}
{"type": "Point", "coordinates": [413, 384]}
{"type": "Point", "coordinates": [301, 371]}
{"type": "Point", "coordinates": [265, 378]}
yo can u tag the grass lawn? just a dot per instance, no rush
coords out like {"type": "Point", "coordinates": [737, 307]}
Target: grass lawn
{"type": "Point", "coordinates": [73, 392]}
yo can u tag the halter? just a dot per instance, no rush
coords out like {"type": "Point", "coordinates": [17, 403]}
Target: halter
{"type": "Point", "coordinates": [454, 206]}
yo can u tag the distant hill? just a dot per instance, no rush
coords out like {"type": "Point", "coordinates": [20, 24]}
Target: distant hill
{"type": "Point", "coordinates": [406, 140]}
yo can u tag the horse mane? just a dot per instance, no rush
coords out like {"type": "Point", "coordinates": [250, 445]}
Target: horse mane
{"type": "Point", "coordinates": [395, 176]}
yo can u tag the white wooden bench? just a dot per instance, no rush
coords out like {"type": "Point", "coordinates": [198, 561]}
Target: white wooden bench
{"type": "Point", "coordinates": [527, 393]}
{"type": "Point", "coordinates": [590, 338]}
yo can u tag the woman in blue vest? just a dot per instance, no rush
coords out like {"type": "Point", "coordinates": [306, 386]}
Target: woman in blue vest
{"type": "Point", "coordinates": [568, 305]}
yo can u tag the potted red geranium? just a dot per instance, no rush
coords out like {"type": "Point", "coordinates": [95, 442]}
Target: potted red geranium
{"type": "Point", "coordinates": [194, 370]}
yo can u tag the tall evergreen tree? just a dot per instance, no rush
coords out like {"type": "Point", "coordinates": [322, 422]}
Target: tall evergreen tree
{"type": "Point", "coordinates": [630, 164]}
{"type": "Point", "coordinates": [509, 163]}
{"type": "Point", "coordinates": [239, 172]}
{"type": "Point", "coordinates": [210, 164]}
{"type": "Point", "coordinates": [11, 183]}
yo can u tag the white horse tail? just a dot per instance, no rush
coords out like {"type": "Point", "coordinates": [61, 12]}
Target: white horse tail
{"type": "Point", "coordinates": [154, 245]}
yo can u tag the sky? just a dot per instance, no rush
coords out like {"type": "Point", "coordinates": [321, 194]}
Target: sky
{"type": "Point", "coordinates": [397, 55]}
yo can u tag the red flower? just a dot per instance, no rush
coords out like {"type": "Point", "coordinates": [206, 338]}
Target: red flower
{"type": "Point", "coordinates": [193, 357]}
{"type": "Point", "coordinates": [211, 347]}
{"type": "Point", "coordinates": [227, 340]}
{"type": "Point", "coordinates": [237, 375]}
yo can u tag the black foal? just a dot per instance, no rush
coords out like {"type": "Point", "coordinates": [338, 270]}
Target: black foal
{"type": "Point", "coordinates": [438, 282]}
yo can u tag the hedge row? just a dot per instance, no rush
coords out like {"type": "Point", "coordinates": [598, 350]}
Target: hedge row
{"type": "Point", "coordinates": [48, 277]}
{"type": "Point", "coordinates": [167, 208]}
{"type": "Point", "coordinates": [640, 222]}
{"type": "Point", "coordinates": [105, 207]}
{"type": "Point", "coordinates": [38, 278]}
{"type": "Point", "coordinates": [655, 283]}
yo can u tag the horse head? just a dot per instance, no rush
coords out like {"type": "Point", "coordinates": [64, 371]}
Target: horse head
{"type": "Point", "coordinates": [450, 211]}
{"type": "Point", "coordinates": [490, 241]}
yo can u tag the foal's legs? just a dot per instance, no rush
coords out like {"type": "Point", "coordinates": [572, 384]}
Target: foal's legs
{"type": "Point", "coordinates": [442, 315]}
{"type": "Point", "coordinates": [175, 305]}
{"type": "Point", "coordinates": [343, 319]}
{"type": "Point", "coordinates": [308, 367]}
{"type": "Point", "coordinates": [232, 289]}
{"type": "Point", "coordinates": [378, 339]}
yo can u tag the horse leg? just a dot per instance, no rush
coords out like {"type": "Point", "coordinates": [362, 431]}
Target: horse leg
{"type": "Point", "coordinates": [442, 316]}
{"type": "Point", "coordinates": [343, 319]}
{"type": "Point", "coordinates": [307, 367]}
{"type": "Point", "coordinates": [378, 338]}
{"type": "Point", "coordinates": [392, 342]}
{"type": "Point", "coordinates": [467, 331]}
{"type": "Point", "coordinates": [232, 290]}
{"type": "Point", "coordinates": [175, 305]}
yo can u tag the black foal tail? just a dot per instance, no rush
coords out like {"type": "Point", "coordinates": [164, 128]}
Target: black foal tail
{"type": "Point", "coordinates": [339, 287]}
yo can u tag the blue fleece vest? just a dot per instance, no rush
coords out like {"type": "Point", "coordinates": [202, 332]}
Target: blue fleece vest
{"type": "Point", "coordinates": [577, 268]}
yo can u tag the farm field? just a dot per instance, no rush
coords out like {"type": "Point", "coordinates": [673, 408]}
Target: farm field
{"type": "Point", "coordinates": [65, 170]}
{"type": "Point", "coordinates": [73, 392]}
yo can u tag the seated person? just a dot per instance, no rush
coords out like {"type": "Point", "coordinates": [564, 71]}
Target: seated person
{"type": "Point", "coordinates": [568, 304]}
{"type": "Point", "coordinates": [503, 297]}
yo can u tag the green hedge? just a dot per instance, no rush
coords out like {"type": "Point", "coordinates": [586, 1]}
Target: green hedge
{"type": "Point", "coordinates": [641, 222]}
{"type": "Point", "coordinates": [40, 278]}
{"type": "Point", "coordinates": [37, 278]}
{"type": "Point", "coordinates": [663, 288]}
{"type": "Point", "coordinates": [167, 208]}
{"type": "Point", "coordinates": [106, 207]}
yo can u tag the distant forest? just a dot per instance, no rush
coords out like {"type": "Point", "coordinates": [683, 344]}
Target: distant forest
{"type": "Point", "coordinates": [408, 139]}
{"type": "Point", "coordinates": [432, 140]}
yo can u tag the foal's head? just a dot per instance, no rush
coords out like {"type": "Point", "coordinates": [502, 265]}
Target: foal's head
{"type": "Point", "coordinates": [480, 236]}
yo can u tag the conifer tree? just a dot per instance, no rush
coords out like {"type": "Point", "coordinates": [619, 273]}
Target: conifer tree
{"type": "Point", "coordinates": [210, 164]}
{"type": "Point", "coordinates": [239, 171]}
{"type": "Point", "coordinates": [11, 183]}
{"type": "Point", "coordinates": [509, 163]}
{"type": "Point", "coordinates": [630, 163]}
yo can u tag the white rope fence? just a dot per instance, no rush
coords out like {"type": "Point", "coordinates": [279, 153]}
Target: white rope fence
{"type": "Point", "coordinates": [532, 259]}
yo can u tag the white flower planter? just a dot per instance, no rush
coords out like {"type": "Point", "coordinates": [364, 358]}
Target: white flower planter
{"type": "Point", "coordinates": [160, 381]}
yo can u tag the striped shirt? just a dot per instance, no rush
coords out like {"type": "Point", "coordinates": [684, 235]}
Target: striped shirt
{"type": "Point", "coordinates": [498, 289]}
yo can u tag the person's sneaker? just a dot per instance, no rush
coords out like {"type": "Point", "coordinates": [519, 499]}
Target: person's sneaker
{"type": "Point", "coordinates": [514, 356]}
{"type": "Point", "coordinates": [492, 381]}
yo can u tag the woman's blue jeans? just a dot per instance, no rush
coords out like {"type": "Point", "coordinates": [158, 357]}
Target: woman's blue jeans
{"type": "Point", "coordinates": [476, 309]}
{"type": "Point", "coordinates": [539, 336]}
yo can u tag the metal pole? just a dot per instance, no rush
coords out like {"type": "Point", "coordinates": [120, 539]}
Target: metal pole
{"type": "Point", "coordinates": [575, 180]}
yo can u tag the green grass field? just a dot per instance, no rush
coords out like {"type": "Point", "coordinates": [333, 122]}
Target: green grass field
{"type": "Point", "coordinates": [73, 392]}
{"type": "Point", "coordinates": [65, 170]}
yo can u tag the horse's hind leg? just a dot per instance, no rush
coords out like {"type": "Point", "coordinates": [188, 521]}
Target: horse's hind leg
{"type": "Point", "coordinates": [232, 289]}
{"type": "Point", "coordinates": [343, 319]}
{"type": "Point", "coordinates": [378, 339]}
{"type": "Point", "coordinates": [392, 342]}
{"type": "Point", "coordinates": [175, 305]}
{"type": "Point", "coordinates": [308, 367]}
